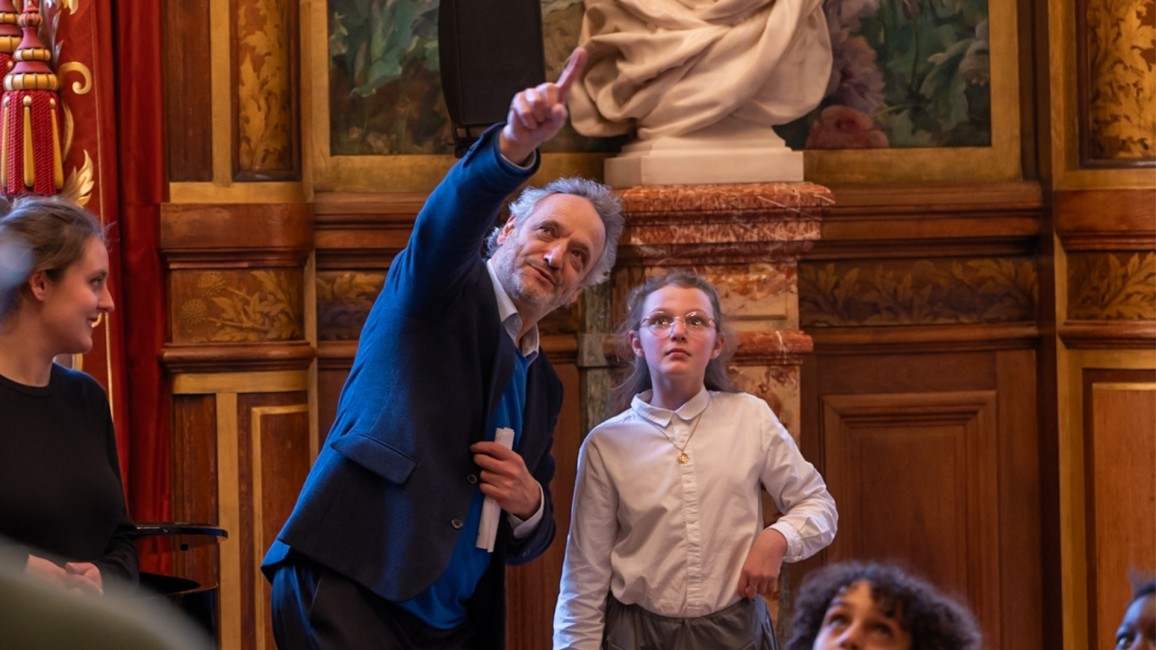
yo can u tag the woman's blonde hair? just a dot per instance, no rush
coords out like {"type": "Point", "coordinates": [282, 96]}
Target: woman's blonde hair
{"type": "Point", "coordinates": [41, 233]}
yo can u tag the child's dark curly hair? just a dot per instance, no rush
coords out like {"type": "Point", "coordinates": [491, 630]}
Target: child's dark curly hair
{"type": "Point", "coordinates": [934, 621]}
{"type": "Point", "coordinates": [1142, 589]}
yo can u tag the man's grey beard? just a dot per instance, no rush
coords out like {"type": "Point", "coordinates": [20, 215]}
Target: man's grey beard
{"type": "Point", "coordinates": [513, 278]}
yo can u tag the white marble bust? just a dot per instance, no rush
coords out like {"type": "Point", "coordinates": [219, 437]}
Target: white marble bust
{"type": "Point", "coordinates": [699, 85]}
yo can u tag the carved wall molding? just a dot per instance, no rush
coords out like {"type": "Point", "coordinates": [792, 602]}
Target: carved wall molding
{"type": "Point", "coordinates": [923, 339]}
{"type": "Point", "coordinates": [236, 286]}
{"type": "Point", "coordinates": [921, 291]}
{"type": "Point", "coordinates": [941, 220]}
{"type": "Point", "coordinates": [237, 357]}
{"type": "Point", "coordinates": [1111, 285]}
{"type": "Point", "coordinates": [362, 231]}
{"type": "Point", "coordinates": [1109, 281]}
{"type": "Point", "coordinates": [1108, 335]}
{"type": "Point", "coordinates": [1106, 219]}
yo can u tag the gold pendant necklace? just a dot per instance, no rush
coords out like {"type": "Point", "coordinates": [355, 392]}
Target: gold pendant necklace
{"type": "Point", "coordinates": [683, 457]}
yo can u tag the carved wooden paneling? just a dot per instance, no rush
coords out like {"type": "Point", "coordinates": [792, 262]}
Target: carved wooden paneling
{"type": "Point", "coordinates": [243, 444]}
{"type": "Point", "coordinates": [236, 301]}
{"type": "Point", "coordinates": [276, 458]}
{"type": "Point", "coordinates": [1107, 219]}
{"type": "Point", "coordinates": [203, 234]}
{"type": "Point", "coordinates": [266, 104]}
{"type": "Point", "coordinates": [1110, 278]}
{"type": "Point", "coordinates": [931, 451]}
{"type": "Point", "coordinates": [1115, 88]}
{"type": "Point", "coordinates": [917, 291]}
{"type": "Point", "coordinates": [334, 360]}
{"type": "Point", "coordinates": [363, 231]}
{"type": "Point", "coordinates": [1119, 286]}
{"type": "Point", "coordinates": [187, 94]}
{"type": "Point", "coordinates": [942, 495]}
{"type": "Point", "coordinates": [1120, 480]}
{"type": "Point", "coordinates": [344, 298]}
{"type": "Point", "coordinates": [942, 220]}
{"type": "Point", "coordinates": [226, 306]}
{"type": "Point", "coordinates": [194, 489]}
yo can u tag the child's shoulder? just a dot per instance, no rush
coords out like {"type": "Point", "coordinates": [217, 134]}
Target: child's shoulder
{"type": "Point", "coordinates": [739, 400]}
{"type": "Point", "coordinates": [614, 422]}
{"type": "Point", "coordinates": [618, 428]}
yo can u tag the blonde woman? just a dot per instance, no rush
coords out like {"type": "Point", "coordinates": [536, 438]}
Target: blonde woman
{"type": "Point", "coordinates": [62, 505]}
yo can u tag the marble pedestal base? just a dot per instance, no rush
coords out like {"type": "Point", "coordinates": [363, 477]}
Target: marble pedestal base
{"type": "Point", "coordinates": [727, 152]}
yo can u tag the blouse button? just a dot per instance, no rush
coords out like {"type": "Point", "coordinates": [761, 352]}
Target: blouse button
{"type": "Point", "coordinates": [456, 523]}
{"type": "Point", "coordinates": [471, 478]}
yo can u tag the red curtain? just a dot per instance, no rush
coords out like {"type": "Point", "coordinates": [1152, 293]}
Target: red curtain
{"type": "Point", "coordinates": [109, 70]}
{"type": "Point", "coordinates": [140, 152]}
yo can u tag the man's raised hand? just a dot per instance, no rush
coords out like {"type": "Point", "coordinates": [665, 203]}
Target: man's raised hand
{"type": "Point", "coordinates": [537, 114]}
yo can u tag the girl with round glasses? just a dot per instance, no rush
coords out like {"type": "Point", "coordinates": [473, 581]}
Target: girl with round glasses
{"type": "Point", "coordinates": [667, 545]}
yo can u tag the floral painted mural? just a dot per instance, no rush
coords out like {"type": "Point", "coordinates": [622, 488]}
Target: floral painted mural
{"type": "Point", "coordinates": [907, 73]}
{"type": "Point", "coordinates": [385, 93]}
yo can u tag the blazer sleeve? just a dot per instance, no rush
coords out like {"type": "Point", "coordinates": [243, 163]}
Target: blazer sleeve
{"type": "Point", "coordinates": [451, 227]}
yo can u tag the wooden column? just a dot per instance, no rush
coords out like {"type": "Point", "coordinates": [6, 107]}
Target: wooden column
{"type": "Point", "coordinates": [239, 360]}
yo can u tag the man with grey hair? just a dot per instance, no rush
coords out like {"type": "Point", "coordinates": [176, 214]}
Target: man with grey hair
{"type": "Point", "coordinates": [436, 472]}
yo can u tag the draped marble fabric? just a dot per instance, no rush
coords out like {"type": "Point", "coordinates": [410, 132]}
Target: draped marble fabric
{"type": "Point", "coordinates": [672, 67]}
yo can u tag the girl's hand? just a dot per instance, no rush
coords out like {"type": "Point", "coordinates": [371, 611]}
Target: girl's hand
{"type": "Point", "coordinates": [760, 574]}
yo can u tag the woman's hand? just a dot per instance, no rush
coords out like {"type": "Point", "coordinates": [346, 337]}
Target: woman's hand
{"type": "Point", "coordinates": [86, 576]}
{"type": "Point", "coordinates": [82, 577]}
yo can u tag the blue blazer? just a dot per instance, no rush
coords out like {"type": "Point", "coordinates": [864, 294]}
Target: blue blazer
{"type": "Point", "coordinates": [384, 502]}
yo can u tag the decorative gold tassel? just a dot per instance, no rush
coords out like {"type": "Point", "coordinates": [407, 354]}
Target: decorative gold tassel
{"type": "Point", "coordinates": [31, 143]}
{"type": "Point", "coordinates": [29, 159]}
{"type": "Point", "coordinates": [4, 146]}
{"type": "Point", "coordinates": [57, 159]}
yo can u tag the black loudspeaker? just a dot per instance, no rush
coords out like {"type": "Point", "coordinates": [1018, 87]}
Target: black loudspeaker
{"type": "Point", "coordinates": [489, 50]}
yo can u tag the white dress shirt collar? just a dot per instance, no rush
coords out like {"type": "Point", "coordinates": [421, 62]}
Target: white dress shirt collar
{"type": "Point", "coordinates": [662, 417]}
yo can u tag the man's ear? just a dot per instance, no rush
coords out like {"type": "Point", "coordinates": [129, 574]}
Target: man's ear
{"type": "Point", "coordinates": [506, 230]}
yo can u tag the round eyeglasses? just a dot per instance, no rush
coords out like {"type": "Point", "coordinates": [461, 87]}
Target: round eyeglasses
{"type": "Point", "coordinates": [662, 325]}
